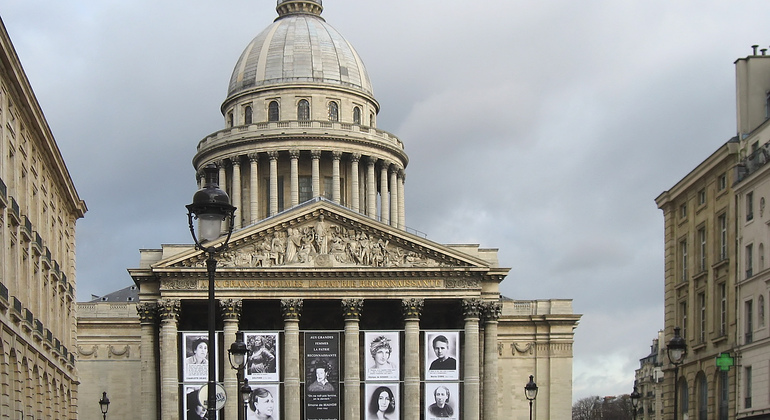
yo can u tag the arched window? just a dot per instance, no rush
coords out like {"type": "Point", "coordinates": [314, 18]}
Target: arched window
{"type": "Point", "coordinates": [371, 119]}
{"type": "Point", "coordinates": [247, 115]}
{"type": "Point", "coordinates": [703, 396]}
{"type": "Point", "coordinates": [229, 119]}
{"type": "Point", "coordinates": [273, 113]}
{"type": "Point", "coordinates": [303, 110]}
{"type": "Point", "coordinates": [334, 111]}
{"type": "Point", "coordinates": [761, 310]}
{"type": "Point", "coordinates": [357, 115]}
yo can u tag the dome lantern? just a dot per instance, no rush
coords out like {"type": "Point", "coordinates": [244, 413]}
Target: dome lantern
{"type": "Point", "coordinates": [292, 7]}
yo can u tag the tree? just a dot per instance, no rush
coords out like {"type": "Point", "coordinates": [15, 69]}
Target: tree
{"type": "Point", "coordinates": [607, 408]}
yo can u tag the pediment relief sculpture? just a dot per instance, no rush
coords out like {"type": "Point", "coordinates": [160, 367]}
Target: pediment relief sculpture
{"type": "Point", "coordinates": [319, 243]}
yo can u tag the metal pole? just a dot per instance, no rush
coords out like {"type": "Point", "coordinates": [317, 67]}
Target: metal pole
{"type": "Point", "coordinates": [211, 266]}
{"type": "Point", "coordinates": [676, 391]}
{"type": "Point", "coordinates": [530, 409]}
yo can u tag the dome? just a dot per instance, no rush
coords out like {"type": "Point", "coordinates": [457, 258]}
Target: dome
{"type": "Point", "coordinates": [299, 48]}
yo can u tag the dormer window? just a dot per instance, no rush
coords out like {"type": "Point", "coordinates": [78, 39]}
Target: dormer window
{"type": "Point", "coordinates": [303, 110]}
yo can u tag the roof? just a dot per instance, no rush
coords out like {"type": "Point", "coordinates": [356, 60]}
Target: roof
{"type": "Point", "coordinates": [128, 294]}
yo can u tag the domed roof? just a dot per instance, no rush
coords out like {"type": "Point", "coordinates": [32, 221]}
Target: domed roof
{"type": "Point", "coordinates": [299, 47]}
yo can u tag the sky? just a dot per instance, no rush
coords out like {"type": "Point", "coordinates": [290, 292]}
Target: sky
{"type": "Point", "coordinates": [543, 128]}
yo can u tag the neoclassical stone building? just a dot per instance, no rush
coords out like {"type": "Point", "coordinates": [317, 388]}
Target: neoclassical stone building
{"type": "Point", "coordinates": [38, 210]}
{"type": "Point", "coordinates": [339, 301]}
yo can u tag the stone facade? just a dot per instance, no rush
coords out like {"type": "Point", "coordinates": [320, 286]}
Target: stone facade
{"type": "Point", "coordinates": [38, 210]}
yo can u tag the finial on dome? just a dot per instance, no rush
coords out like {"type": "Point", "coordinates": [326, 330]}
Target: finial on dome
{"type": "Point", "coordinates": [293, 7]}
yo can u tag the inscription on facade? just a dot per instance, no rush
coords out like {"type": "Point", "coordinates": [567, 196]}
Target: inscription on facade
{"type": "Point", "coordinates": [309, 284]}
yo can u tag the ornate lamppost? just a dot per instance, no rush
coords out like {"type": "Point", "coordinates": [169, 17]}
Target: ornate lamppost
{"type": "Point", "coordinates": [104, 404]}
{"type": "Point", "coordinates": [530, 391]}
{"type": "Point", "coordinates": [677, 350]}
{"type": "Point", "coordinates": [239, 354]}
{"type": "Point", "coordinates": [210, 206]}
{"type": "Point", "coordinates": [635, 397]}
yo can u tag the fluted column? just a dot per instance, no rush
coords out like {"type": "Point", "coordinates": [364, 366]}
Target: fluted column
{"type": "Point", "coordinates": [371, 188]}
{"type": "Point", "coordinates": [236, 199]}
{"type": "Point", "coordinates": [336, 155]}
{"type": "Point", "coordinates": [412, 309]}
{"type": "Point", "coordinates": [169, 354]}
{"type": "Point", "coordinates": [315, 170]}
{"type": "Point", "coordinates": [254, 188]}
{"type": "Point", "coordinates": [294, 177]}
{"type": "Point", "coordinates": [273, 182]}
{"type": "Point", "coordinates": [393, 196]}
{"type": "Point", "coordinates": [231, 314]}
{"type": "Point", "coordinates": [291, 308]}
{"type": "Point", "coordinates": [472, 311]}
{"type": "Point", "coordinates": [384, 195]}
{"type": "Point", "coordinates": [401, 206]}
{"type": "Point", "coordinates": [148, 315]}
{"type": "Point", "coordinates": [351, 311]}
{"type": "Point", "coordinates": [354, 193]}
{"type": "Point", "coordinates": [222, 181]}
{"type": "Point", "coordinates": [492, 312]}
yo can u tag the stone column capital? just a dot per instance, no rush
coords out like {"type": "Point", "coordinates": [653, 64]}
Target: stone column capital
{"type": "Point", "coordinates": [412, 307]}
{"type": "Point", "coordinates": [273, 155]}
{"type": "Point", "coordinates": [355, 157]}
{"type": "Point", "coordinates": [472, 308]}
{"type": "Point", "coordinates": [231, 308]}
{"type": "Point", "coordinates": [492, 311]}
{"type": "Point", "coordinates": [148, 312]}
{"type": "Point", "coordinates": [254, 157]}
{"type": "Point", "coordinates": [352, 308]}
{"type": "Point", "coordinates": [315, 154]}
{"type": "Point", "coordinates": [291, 308]}
{"type": "Point", "coordinates": [371, 160]}
{"type": "Point", "coordinates": [294, 153]}
{"type": "Point", "coordinates": [235, 160]}
{"type": "Point", "coordinates": [169, 309]}
{"type": "Point", "coordinates": [336, 155]}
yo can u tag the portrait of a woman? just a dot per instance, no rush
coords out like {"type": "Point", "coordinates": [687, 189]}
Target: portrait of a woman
{"type": "Point", "coordinates": [200, 352]}
{"type": "Point", "coordinates": [382, 404]}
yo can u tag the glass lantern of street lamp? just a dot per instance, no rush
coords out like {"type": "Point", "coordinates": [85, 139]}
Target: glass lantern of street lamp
{"type": "Point", "coordinates": [677, 348]}
{"type": "Point", "coordinates": [237, 354]}
{"type": "Point", "coordinates": [210, 206]}
{"type": "Point", "coordinates": [104, 404]}
{"type": "Point", "coordinates": [635, 397]}
{"type": "Point", "coordinates": [530, 390]}
{"type": "Point", "coordinates": [245, 391]}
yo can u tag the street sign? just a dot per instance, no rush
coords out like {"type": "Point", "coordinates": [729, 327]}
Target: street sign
{"type": "Point", "coordinates": [220, 398]}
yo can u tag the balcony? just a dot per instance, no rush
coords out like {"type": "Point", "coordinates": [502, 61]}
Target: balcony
{"type": "Point", "coordinates": [16, 310]}
{"type": "Point", "coordinates": [752, 163]}
{"type": "Point", "coordinates": [14, 214]}
{"type": "Point", "coordinates": [3, 194]}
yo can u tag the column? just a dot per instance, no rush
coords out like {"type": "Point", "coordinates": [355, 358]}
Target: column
{"type": "Point", "coordinates": [471, 392]}
{"type": "Point", "coordinates": [169, 355]}
{"type": "Point", "coordinates": [492, 312]}
{"type": "Point", "coordinates": [393, 196]}
{"type": "Point", "coordinates": [316, 172]}
{"type": "Point", "coordinates": [236, 199]}
{"type": "Point", "coordinates": [222, 179]}
{"type": "Point", "coordinates": [273, 182]}
{"type": "Point", "coordinates": [291, 308]}
{"type": "Point", "coordinates": [354, 194]}
{"type": "Point", "coordinates": [336, 155]}
{"type": "Point", "coordinates": [351, 311]}
{"type": "Point", "coordinates": [401, 206]}
{"type": "Point", "coordinates": [254, 188]}
{"type": "Point", "coordinates": [294, 189]}
{"type": "Point", "coordinates": [148, 315]}
{"type": "Point", "coordinates": [384, 195]}
{"type": "Point", "coordinates": [371, 188]}
{"type": "Point", "coordinates": [231, 313]}
{"type": "Point", "coordinates": [412, 309]}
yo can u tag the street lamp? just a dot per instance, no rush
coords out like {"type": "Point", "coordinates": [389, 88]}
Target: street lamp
{"type": "Point", "coordinates": [635, 397]}
{"type": "Point", "coordinates": [104, 404]}
{"type": "Point", "coordinates": [210, 207]}
{"type": "Point", "coordinates": [530, 391]}
{"type": "Point", "coordinates": [677, 350]}
{"type": "Point", "coordinates": [239, 354]}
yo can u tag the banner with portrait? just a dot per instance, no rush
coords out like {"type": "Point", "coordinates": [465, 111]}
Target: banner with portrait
{"type": "Point", "coordinates": [195, 356]}
{"type": "Point", "coordinates": [264, 402]}
{"type": "Point", "coordinates": [442, 400]}
{"type": "Point", "coordinates": [381, 355]}
{"type": "Point", "coordinates": [263, 362]}
{"type": "Point", "coordinates": [382, 401]}
{"type": "Point", "coordinates": [322, 375]}
{"type": "Point", "coordinates": [442, 352]}
{"type": "Point", "coordinates": [191, 405]}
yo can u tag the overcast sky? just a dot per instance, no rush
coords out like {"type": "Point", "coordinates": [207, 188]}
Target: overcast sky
{"type": "Point", "coordinates": [543, 128]}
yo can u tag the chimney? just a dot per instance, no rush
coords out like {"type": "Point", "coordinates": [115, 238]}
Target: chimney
{"type": "Point", "coordinates": [754, 47]}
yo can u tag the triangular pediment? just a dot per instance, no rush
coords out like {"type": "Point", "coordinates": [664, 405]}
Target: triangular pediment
{"type": "Point", "coordinates": [323, 234]}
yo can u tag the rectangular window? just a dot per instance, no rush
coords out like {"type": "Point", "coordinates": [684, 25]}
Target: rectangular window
{"type": "Point", "coordinates": [305, 188]}
{"type": "Point", "coordinates": [683, 317]}
{"type": "Point", "coordinates": [749, 322]}
{"type": "Point", "coordinates": [749, 206]}
{"type": "Point", "coordinates": [702, 320]}
{"type": "Point", "coordinates": [747, 400]}
{"type": "Point", "coordinates": [328, 187]}
{"type": "Point", "coordinates": [722, 182]}
{"type": "Point", "coordinates": [683, 259]}
{"type": "Point", "coordinates": [749, 260]}
{"type": "Point", "coordinates": [701, 197]}
{"type": "Point", "coordinates": [722, 225]}
{"type": "Point", "coordinates": [702, 249]}
{"type": "Point", "coordinates": [683, 211]}
{"type": "Point", "coordinates": [722, 309]}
